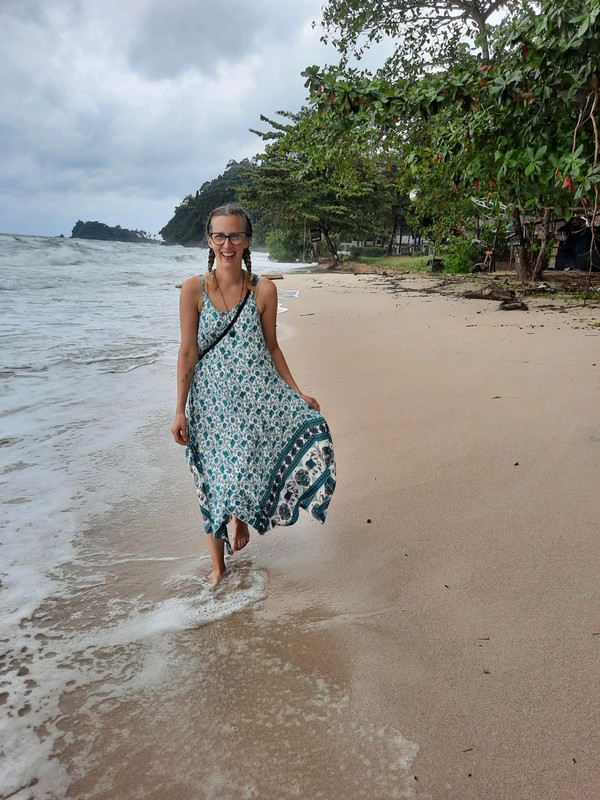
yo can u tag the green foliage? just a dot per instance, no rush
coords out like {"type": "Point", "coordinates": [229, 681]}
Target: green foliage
{"type": "Point", "coordinates": [367, 252]}
{"type": "Point", "coordinates": [298, 183]}
{"type": "Point", "coordinates": [99, 230]}
{"type": "Point", "coordinates": [460, 255]}
{"type": "Point", "coordinates": [495, 138]}
{"type": "Point", "coordinates": [188, 224]}
{"type": "Point", "coordinates": [285, 244]}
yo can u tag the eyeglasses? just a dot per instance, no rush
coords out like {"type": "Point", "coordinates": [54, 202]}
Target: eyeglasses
{"type": "Point", "coordinates": [234, 238]}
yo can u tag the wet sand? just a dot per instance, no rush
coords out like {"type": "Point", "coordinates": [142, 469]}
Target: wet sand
{"type": "Point", "coordinates": [438, 637]}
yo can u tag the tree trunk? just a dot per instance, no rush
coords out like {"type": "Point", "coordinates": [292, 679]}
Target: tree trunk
{"type": "Point", "coordinates": [332, 248]}
{"type": "Point", "coordinates": [540, 262]}
{"type": "Point", "coordinates": [481, 21]}
{"type": "Point", "coordinates": [520, 248]}
{"type": "Point", "coordinates": [393, 226]}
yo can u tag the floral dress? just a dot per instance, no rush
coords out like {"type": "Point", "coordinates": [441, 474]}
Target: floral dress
{"type": "Point", "coordinates": [256, 449]}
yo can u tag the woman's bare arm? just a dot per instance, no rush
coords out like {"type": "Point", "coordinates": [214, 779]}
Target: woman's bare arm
{"type": "Point", "coordinates": [190, 303]}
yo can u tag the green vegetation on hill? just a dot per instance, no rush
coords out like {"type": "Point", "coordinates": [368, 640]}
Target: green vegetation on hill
{"type": "Point", "coordinates": [99, 230]}
{"type": "Point", "coordinates": [188, 224]}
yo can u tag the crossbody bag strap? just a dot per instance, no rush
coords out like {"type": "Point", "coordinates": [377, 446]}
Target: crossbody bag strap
{"type": "Point", "coordinates": [227, 328]}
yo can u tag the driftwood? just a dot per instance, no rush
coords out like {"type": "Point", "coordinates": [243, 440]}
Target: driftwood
{"type": "Point", "coordinates": [513, 305]}
{"type": "Point", "coordinates": [491, 292]}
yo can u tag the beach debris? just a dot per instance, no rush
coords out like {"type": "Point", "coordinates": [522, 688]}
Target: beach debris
{"type": "Point", "coordinates": [516, 464]}
{"type": "Point", "coordinates": [368, 522]}
{"type": "Point", "coordinates": [468, 750]}
{"type": "Point", "coordinates": [497, 397]}
{"type": "Point", "coordinates": [513, 305]}
{"type": "Point", "coordinates": [492, 292]}
{"type": "Point", "coordinates": [312, 313]}
{"type": "Point", "coordinates": [486, 672]}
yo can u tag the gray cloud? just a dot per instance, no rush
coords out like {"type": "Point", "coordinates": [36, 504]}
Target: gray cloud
{"type": "Point", "coordinates": [116, 109]}
{"type": "Point", "coordinates": [193, 34]}
{"type": "Point", "coordinates": [205, 34]}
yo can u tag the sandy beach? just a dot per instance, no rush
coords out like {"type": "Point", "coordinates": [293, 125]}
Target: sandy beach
{"type": "Point", "coordinates": [437, 638]}
{"type": "Point", "coordinates": [467, 611]}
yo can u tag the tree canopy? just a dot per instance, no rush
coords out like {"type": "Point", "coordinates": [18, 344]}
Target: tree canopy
{"type": "Point", "coordinates": [427, 34]}
{"type": "Point", "coordinates": [516, 134]}
{"type": "Point", "coordinates": [299, 183]}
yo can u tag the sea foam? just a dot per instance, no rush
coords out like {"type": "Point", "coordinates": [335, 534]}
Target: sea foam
{"type": "Point", "coordinates": [89, 337]}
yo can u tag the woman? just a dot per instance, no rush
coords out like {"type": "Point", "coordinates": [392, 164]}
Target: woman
{"type": "Point", "coordinates": [257, 447]}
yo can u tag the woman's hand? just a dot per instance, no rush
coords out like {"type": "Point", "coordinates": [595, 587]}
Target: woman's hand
{"type": "Point", "coordinates": [179, 428]}
{"type": "Point", "coordinates": [311, 401]}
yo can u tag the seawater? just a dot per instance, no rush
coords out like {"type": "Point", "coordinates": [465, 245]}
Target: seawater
{"type": "Point", "coordinates": [89, 334]}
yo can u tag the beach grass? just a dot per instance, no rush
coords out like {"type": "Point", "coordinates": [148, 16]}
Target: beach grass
{"type": "Point", "coordinates": [400, 263]}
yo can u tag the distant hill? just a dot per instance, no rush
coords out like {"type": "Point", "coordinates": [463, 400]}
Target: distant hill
{"type": "Point", "coordinates": [188, 224]}
{"type": "Point", "coordinates": [98, 230]}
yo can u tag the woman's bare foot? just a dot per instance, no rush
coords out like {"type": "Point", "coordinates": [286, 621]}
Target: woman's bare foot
{"type": "Point", "coordinates": [216, 576]}
{"type": "Point", "coordinates": [240, 535]}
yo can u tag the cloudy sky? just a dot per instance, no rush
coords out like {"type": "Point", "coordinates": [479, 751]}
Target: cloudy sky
{"type": "Point", "coordinates": [114, 110]}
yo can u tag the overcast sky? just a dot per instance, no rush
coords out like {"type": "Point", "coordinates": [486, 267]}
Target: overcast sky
{"type": "Point", "coordinates": [114, 110]}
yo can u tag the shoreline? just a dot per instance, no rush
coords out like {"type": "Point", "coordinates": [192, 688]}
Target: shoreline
{"type": "Point", "coordinates": [435, 637]}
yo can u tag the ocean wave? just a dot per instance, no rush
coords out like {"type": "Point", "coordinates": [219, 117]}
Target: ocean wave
{"type": "Point", "coordinates": [13, 467]}
{"type": "Point", "coordinates": [127, 652]}
{"type": "Point", "coordinates": [124, 357]}
{"type": "Point", "coordinates": [22, 370]}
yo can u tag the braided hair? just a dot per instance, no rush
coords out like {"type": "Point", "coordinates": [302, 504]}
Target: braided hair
{"type": "Point", "coordinates": [233, 210]}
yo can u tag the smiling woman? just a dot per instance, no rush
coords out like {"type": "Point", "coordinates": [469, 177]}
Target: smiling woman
{"type": "Point", "coordinates": [258, 448]}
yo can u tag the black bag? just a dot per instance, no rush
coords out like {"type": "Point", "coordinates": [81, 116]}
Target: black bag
{"type": "Point", "coordinates": [227, 328]}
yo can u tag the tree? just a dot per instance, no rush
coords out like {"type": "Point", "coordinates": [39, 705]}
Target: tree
{"type": "Point", "coordinates": [293, 188]}
{"type": "Point", "coordinates": [429, 33]}
{"type": "Point", "coordinates": [519, 133]}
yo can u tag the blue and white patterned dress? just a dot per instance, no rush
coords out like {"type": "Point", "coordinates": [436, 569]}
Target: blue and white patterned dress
{"type": "Point", "coordinates": [256, 449]}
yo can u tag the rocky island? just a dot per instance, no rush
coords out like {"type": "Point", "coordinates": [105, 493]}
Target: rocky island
{"type": "Point", "coordinates": [99, 230]}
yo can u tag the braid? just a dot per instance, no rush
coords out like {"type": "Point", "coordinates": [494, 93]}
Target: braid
{"type": "Point", "coordinates": [248, 262]}
{"type": "Point", "coordinates": [211, 259]}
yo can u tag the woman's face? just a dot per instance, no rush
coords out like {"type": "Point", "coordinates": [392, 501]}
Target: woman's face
{"type": "Point", "coordinates": [228, 253]}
